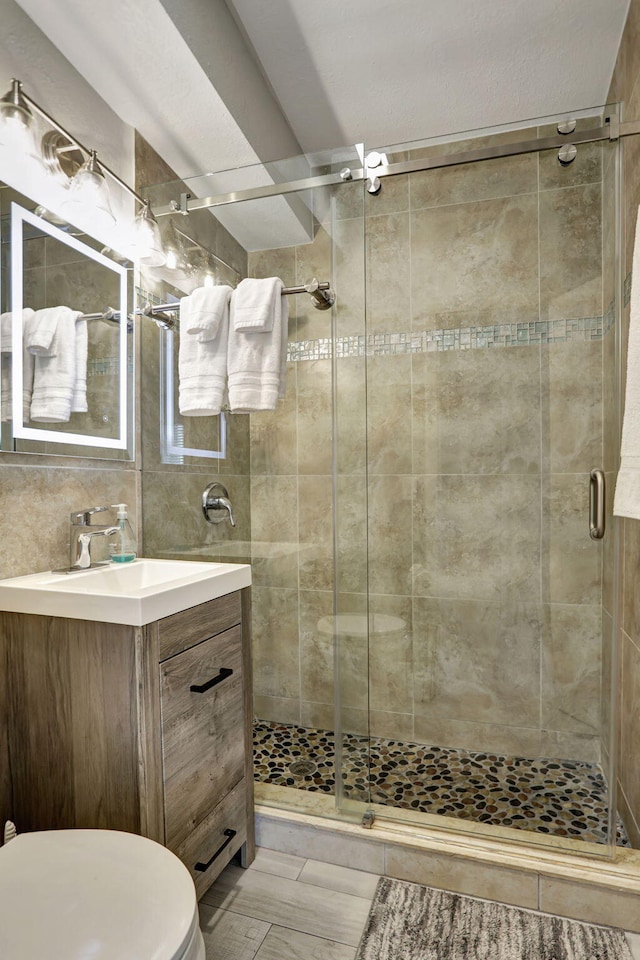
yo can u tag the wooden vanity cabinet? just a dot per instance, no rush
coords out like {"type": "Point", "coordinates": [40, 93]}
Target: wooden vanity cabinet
{"type": "Point", "coordinates": [144, 729]}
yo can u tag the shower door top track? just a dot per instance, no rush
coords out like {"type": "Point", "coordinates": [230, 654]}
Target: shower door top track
{"type": "Point", "coordinates": [612, 130]}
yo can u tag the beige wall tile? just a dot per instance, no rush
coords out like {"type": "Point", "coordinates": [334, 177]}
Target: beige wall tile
{"type": "Point", "coordinates": [391, 726]}
{"type": "Point", "coordinates": [631, 561]}
{"type": "Point", "coordinates": [463, 876]}
{"type": "Point", "coordinates": [351, 415]}
{"type": "Point", "coordinates": [478, 737]}
{"type": "Point", "coordinates": [477, 661]}
{"type": "Point", "coordinates": [314, 413]}
{"type": "Point", "coordinates": [486, 405]}
{"type": "Point", "coordinates": [391, 659]}
{"type": "Point", "coordinates": [315, 519]}
{"type": "Point", "coordinates": [571, 561]}
{"type": "Point", "coordinates": [571, 252]}
{"type": "Point", "coordinates": [476, 537]}
{"type": "Point", "coordinates": [502, 177]}
{"type": "Point", "coordinates": [630, 724]}
{"type": "Point", "coordinates": [592, 904]}
{"type": "Point", "coordinates": [274, 435]}
{"type": "Point", "coordinates": [351, 520]}
{"type": "Point", "coordinates": [316, 646]}
{"type": "Point", "coordinates": [348, 277]}
{"type": "Point", "coordinates": [276, 662]}
{"type": "Point", "coordinates": [48, 495]}
{"type": "Point", "coordinates": [571, 668]}
{"type": "Point", "coordinates": [276, 709]}
{"type": "Point", "coordinates": [388, 419]}
{"type": "Point", "coordinates": [570, 746]}
{"type": "Point", "coordinates": [571, 407]}
{"type": "Point", "coordinates": [475, 263]}
{"type": "Point", "coordinates": [390, 524]}
{"type": "Point", "coordinates": [388, 273]}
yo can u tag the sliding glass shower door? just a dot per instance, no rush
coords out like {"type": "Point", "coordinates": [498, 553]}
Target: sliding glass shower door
{"type": "Point", "coordinates": [488, 363]}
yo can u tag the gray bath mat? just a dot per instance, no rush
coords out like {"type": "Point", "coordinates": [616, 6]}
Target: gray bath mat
{"type": "Point", "coordinates": [410, 922]}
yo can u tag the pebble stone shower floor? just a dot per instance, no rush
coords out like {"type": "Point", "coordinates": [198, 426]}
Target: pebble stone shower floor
{"type": "Point", "coordinates": [565, 798]}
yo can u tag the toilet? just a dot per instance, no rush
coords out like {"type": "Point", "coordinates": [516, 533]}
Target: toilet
{"type": "Point", "coordinates": [95, 895]}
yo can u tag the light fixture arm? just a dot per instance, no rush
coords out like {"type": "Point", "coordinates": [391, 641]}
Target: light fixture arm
{"type": "Point", "coordinates": [16, 90]}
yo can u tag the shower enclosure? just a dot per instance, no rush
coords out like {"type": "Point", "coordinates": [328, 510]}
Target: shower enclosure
{"type": "Point", "coordinates": [432, 622]}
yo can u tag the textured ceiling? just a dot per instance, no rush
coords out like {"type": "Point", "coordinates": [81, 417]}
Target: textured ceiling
{"type": "Point", "coordinates": [389, 72]}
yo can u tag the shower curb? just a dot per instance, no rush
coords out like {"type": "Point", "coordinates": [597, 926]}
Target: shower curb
{"type": "Point", "coordinates": [556, 881]}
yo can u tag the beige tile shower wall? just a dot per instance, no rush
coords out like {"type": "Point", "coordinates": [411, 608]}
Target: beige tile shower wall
{"type": "Point", "coordinates": [625, 87]}
{"type": "Point", "coordinates": [485, 589]}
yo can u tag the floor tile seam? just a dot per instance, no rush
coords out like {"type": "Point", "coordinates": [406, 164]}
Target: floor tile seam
{"type": "Point", "coordinates": [237, 913]}
{"type": "Point", "coordinates": [347, 893]}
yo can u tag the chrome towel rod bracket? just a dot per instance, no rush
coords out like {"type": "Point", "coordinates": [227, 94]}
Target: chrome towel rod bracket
{"type": "Point", "coordinates": [320, 291]}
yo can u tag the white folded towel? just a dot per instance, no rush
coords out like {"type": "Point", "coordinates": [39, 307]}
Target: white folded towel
{"type": "Point", "coordinates": [40, 331]}
{"type": "Point", "coordinates": [627, 496]}
{"type": "Point", "coordinates": [255, 304]}
{"type": "Point", "coordinates": [6, 348]}
{"type": "Point", "coordinates": [202, 366]}
{"type": "Point", "coordinates": [257, 362]}
{"type": "Point", "coordinates": [207, 307]}
{"type": "Point", "coordinates": [79, 399]}
{"type": "Point", "coordinates": [54, 376]}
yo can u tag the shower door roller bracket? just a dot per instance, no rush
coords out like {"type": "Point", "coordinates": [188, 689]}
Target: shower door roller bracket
{"type": "Point", "coordinates": [368, 819]}
{"type": "Point", "coordinates": [183, 206]}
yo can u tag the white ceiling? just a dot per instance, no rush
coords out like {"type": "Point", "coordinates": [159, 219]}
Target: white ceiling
{"type": "Point", "coordinates": [388, 72]}
{"type": "Point", "coordinates": [218, 84]}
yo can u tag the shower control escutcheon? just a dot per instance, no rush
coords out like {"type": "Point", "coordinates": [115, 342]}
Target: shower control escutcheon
{"type": "Point", "coordinates": [215, 499]}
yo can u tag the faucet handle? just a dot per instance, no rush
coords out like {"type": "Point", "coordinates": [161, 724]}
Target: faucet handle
{"type": "Point", "coordinates": [82, 518]}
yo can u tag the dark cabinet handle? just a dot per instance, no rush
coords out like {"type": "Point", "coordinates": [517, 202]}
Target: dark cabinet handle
{"type": "Point", "coordinates": [203, 687]}
{"type": "Point", "coordinates": [229, 834]}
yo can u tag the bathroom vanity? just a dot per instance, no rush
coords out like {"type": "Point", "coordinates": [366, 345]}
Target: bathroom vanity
{"type": "Point", "coordinates": [142, 727]}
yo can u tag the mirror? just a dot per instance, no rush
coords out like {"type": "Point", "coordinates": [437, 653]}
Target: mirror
{"type": "Point", "coordinates": [67, 360]}
{"type": "Point", "coordinates": [180, 436]}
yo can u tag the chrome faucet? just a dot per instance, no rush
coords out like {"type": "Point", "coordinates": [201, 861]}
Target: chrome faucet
{"type": "Point", "coordinates": [216, 497]}
{"type": "Point", "coordinates": [82, 533]}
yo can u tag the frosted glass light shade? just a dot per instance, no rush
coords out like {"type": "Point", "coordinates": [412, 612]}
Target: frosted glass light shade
{"type": "Point", "coordinates": [88, 196]}
{"type": "Point", "coordinates": [147, 243]}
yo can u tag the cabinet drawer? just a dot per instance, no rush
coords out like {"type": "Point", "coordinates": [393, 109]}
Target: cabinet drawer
{"type": "Point", "coordinates": [202, 742]}
{"type": "Point", "coordinates": [214, 841]}
{"type": "Point", "coordinates": [184, 629]}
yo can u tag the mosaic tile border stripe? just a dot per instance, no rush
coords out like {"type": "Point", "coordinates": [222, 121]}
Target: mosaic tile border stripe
{"type": "Point", "coordinates": [490, 336]}
{"type": "Point", "coordinates": [537, 332]}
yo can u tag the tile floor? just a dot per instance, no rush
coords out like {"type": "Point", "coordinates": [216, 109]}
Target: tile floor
{"type": "Point", "coordinates": [566, 798]}
{"type": "Point", "coordinates": [288, 908]}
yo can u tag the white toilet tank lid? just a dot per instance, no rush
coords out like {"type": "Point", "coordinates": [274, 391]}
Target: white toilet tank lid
{"type": "Point", "coordinates": [93, 895]}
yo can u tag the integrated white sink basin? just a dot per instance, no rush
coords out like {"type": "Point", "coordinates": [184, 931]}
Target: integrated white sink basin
{"type": "Point", "coordinates": [134, 593]}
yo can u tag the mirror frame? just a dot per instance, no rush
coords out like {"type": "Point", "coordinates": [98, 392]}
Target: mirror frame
{"type": "Point", "coordinates": [169, 448]}
{"type": "Point", "coordinates": [20, 216]}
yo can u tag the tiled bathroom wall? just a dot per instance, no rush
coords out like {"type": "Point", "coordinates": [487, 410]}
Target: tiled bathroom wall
{"type": "Point", "coordinates": [462, 483]}
{"type": "Point", "coordinates": [625, 87]}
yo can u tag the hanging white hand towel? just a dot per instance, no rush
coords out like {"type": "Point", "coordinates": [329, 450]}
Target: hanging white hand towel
{"type": "Point", "coordinates": [627, 496]}
{"type": "Point", "coordinates": [54, 376]}
{"type": "Point", "coordinates": [207, 307]}
{"type": "Point", "coordinates": [257, 362]}
{"type": "Point", "coordinates": [202, 365]}
{"type": "Point", "coordinates": [79, 399]}
{"type": "Point", "coordinates": [6, 349]}
{"type": "Point", "coordinates": [255, 304]}
{"type": "Point", "coordinates": [40, 331]}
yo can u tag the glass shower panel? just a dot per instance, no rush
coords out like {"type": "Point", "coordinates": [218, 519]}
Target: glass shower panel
{"type": "Point", "coordinates": [279, 469]}
{"type": "Point", "coordinates": [489, 323]}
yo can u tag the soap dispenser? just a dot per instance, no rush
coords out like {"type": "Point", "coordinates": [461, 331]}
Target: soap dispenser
{"type": "Point", "coordinates": [123, 545]}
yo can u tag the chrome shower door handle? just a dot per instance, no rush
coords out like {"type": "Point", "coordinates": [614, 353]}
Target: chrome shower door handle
{"type": "Point", "coordinates": [596, 504]}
